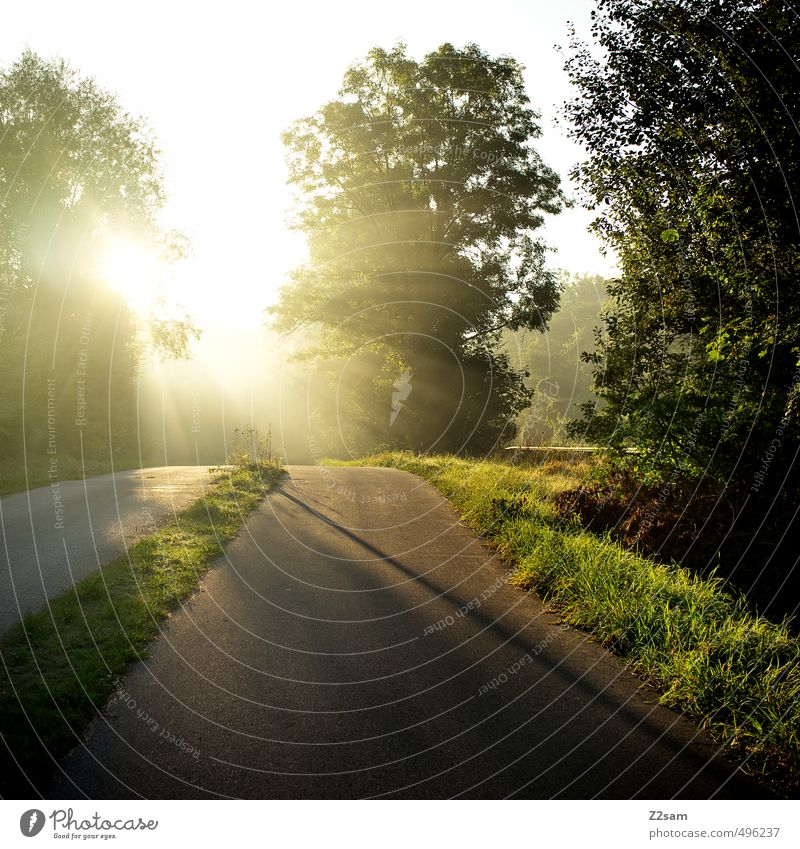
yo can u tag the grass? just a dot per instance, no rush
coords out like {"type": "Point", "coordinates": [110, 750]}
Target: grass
{"type": "Point", "coordinates": [15, 477]}
{"type": "Point", "coordinates": [59, 667]}
{"type": "Point", "coordinates": [735, 673]}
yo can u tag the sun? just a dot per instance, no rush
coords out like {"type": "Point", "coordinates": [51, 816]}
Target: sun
{"type": "Point", "coordinates": [133, 270]}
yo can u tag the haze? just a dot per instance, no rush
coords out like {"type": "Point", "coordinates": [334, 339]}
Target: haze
{"type": "Point", "coordinates": [218, 84]}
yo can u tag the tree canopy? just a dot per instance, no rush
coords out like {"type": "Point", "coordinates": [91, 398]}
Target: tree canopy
{"type": "Point", "coordinates": [689, 112]}
{"type": "Point", "coordinates": [420, 191]}
{"type": "Point", "coordinates": [75, 172]}
{"type": "Point", "coordinates": [559, 377]}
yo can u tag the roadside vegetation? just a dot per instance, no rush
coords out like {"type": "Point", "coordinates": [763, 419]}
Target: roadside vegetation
{"type": "Point", "coordinates": [688, 115]}
{"type": "Point", "coordinates": [59, 667]}
{"type": "Point", "coordinates": [695, 640]}
{"type": "Point", "coordinates": [16, 478]}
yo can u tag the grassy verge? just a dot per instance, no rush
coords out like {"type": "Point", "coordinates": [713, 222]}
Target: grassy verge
{"type": "Point", "coordinates": [736, 674]}
{"type": "Point", "coordinates": [60, 667]}
{"type": "Point", "coordinates": [14, 477]}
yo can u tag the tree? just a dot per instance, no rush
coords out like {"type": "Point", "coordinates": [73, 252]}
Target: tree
{"type": "Point", "coordinates": [690, 120]}
{"type": "Point", "coordinates": [419, 192]}
{"type": "Point", "coordinates": [559, 378]}
{"type": "Point", "coordinates": [75, 171]}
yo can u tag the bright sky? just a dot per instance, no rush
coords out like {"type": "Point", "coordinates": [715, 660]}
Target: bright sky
{"type": "Point", "coordinates": [218, 82]}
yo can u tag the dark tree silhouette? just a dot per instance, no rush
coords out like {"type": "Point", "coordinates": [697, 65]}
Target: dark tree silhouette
{"type": "Point", "coordinates": [420, 191]}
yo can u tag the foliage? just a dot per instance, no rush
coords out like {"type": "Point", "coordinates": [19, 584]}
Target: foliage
{"type": "Point", "coordinates": [60, 667]}
{"type": "Point", "coordinates": [689, 114]}
{"type": "Point", "coordinates": [248, 449]}
{"type": "Point", "coordinates": [560, 379]}
{"type": "Point", "coordinates": [75, 172]}
{"type": "Point", "coordinates": [419, 191]}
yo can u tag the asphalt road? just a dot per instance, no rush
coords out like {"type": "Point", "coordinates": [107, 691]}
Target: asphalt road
{"type": "Point", "coordinates": [357, 641]}
{"type": "Point", "coordinates": [53, 536]}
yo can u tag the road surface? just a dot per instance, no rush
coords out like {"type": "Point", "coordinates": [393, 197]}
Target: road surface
{"type": "Point", "coordinates": [56, 535]}
{"type": "Point", "coordinates": [357, 641]}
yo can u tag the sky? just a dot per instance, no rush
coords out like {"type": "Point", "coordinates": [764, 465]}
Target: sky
{"type": "Point", "coordinates": [219, 82]}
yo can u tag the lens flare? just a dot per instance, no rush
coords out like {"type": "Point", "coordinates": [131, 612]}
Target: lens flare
{"type": "Point", "coordinates": [135, 271]}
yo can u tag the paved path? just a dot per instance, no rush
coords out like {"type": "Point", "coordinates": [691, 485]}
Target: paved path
{"type": "Point", "coordinates": [53, 536]}
{"type": "Point", "coordinates": [357, 641]}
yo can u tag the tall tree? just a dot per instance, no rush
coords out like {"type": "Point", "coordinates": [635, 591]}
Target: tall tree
{"type": "Point", "coordinates": [419, 191]}
{"type": "Point", "coordinates": [560, 378]}
{"type": "Point", "coordinates": [690, 114]}
{"type": "Point", "coordinates": [75, 171]}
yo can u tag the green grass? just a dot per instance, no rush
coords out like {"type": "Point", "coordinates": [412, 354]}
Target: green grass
{"type": "Point", "coordinates": [60, 667]}
{"type": "Point", "coordinates": [14, 477]}
{"type": "Point", "coordinates": [735, 673]}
